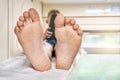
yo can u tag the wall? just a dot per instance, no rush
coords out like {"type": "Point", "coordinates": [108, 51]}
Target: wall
{"type": "Point", "coordinates": [3, 29]}
{"type": "Point", "coordinates": [10, 10]}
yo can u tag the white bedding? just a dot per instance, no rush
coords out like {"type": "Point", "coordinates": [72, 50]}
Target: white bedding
{"type": "Point", "coordinates": [19, 68]}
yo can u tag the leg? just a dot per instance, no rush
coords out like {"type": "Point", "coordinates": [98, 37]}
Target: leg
{"type": "Point", "coordinates": [48, 49]}
{"type": "Point", "coordinates": [68, 41]}
{"type": "Point", "coordinates": [30, 35]}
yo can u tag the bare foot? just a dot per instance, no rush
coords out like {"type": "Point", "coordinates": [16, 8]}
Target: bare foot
{"type": "Point", "coordinates": [69, 39]}
{"type": "Point", "coordinates": [30, 35]}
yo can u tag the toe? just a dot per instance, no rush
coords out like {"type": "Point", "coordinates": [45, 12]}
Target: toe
{"type": "Point", "coordinates": [26, 16]}
{"type": "Point", "coordinates": [80, 32]}
{"type": "Point", "coordinates": [76, 27]}
{"type": "Point", "coordinates": [21, 18]}
{"type": "Point", "coordinates": [59, 21]}
{"type": "Point", "coordinates": [20, 24]}
{"type": "Point", "coordinates": [72, 22]}
{"type": "Point", "coordinates": [16, 30]}
{"type": "Point", "coordinates": [34, 15]}
{"type": "Point", "coordinates": [67, 21]}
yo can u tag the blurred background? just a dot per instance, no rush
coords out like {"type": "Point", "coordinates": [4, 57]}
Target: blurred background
{"type": "Point", "coordinates": [99, 19]}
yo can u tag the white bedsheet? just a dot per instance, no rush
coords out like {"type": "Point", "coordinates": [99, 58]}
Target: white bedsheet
{"type": "Point", "coordinates": [19, 68]}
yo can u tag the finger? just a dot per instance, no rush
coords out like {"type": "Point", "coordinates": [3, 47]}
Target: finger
{"type": "Point", "coordinates": [48, 32]}
{"type": "Point", "coordinates": [48, 35]}
{"type": "Point", "coordinates": [48, 28]}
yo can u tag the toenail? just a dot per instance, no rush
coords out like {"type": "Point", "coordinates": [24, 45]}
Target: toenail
{"type": "Point", "coordinates": [26, 14]}
{"type": "Point", "coordinates": [21, 18]}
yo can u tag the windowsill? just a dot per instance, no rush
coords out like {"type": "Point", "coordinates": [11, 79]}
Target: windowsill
{"type": "Point", "coordinates": [100, 46]}
{"type": "Point", "coordinates": [102, 49]}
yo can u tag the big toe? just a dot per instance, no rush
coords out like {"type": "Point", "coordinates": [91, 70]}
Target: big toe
{"type": "Point", "coordinates": [59, 21]}
{"type": "Point", "coordinates": [34, 15]}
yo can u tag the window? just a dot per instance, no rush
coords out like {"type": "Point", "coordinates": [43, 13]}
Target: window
{"type": "Point", "coordinates": [101, 40]}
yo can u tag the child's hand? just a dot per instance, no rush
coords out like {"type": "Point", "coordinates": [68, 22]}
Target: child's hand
{"type": "Point", "coordinates": [47, 33]}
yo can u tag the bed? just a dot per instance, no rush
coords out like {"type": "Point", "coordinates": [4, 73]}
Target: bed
{"type": "Point", "coordinates": [85, 67]}
{"type": "Point", "coordinates": [19, 68]}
